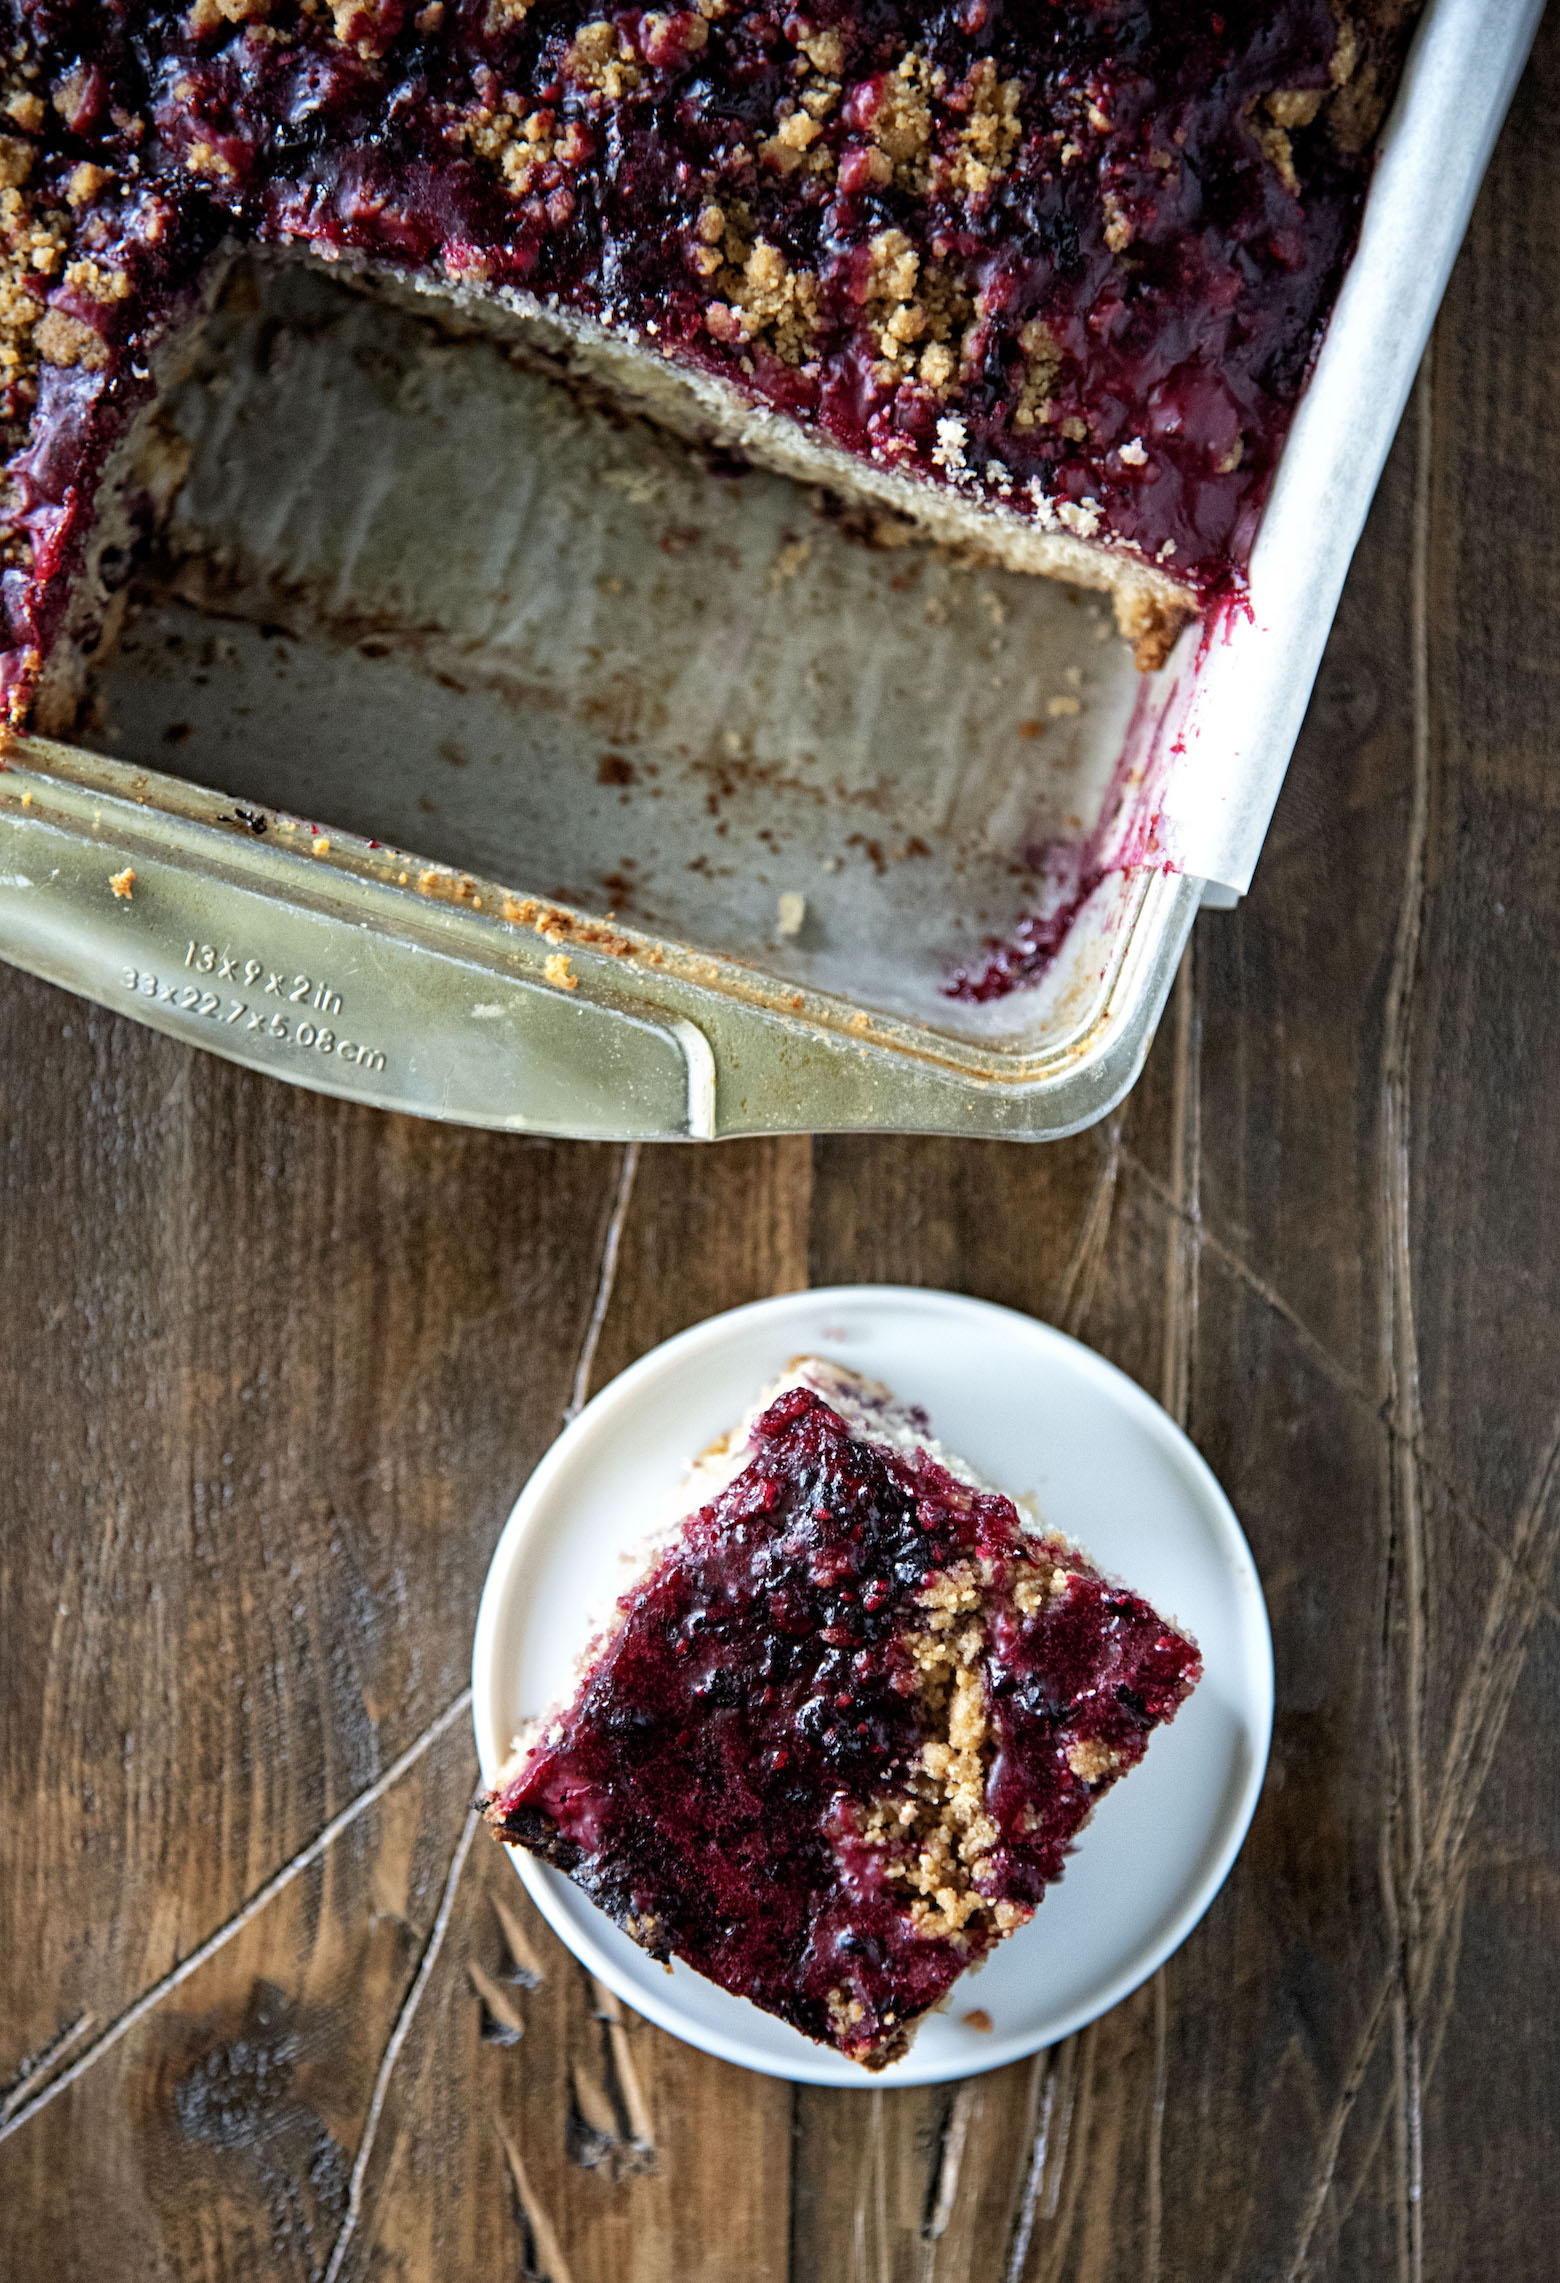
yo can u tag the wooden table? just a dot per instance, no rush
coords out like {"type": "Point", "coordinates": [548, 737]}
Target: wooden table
{"type": "Point", "coordinates": [272, 1369]}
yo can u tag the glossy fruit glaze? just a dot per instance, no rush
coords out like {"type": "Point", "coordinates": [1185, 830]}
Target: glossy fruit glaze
{"type": "Point", "coordinates": [712, 1783]}
{"type": "Point", "coordinates": [1056, 253]}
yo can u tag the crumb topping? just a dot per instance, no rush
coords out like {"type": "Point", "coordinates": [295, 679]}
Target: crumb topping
{"type": "Point", "coordinates": [897, 113]}
{"type": "Point", "coordinates": [1090, 1759]}
{"type": "Point", "coordinates": [762, 297]}
{"type": "Point", "coordinates": [601, 58]}
{"type": "Point", "coordinates": [844, 2013]}
{"type": "Point", "coordinates": [824, 50]}
{"type": "Point", "coordinates": [940, 1837]}
{"type": "Point", "coordinates": [33, 236]}
{"type": "Point", "coordinates": [989, 143]}
{"type": "Point", "coordinates": [1042, 355]}
{"type": "Point", "coordinates": [213, 15]}
{"type": "Point", "coordinates": [533, 153]}
{"type": "Point", "coordinates": [918, 313]}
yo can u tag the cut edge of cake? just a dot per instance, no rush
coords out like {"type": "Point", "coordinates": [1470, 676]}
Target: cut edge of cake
{"type": "Point", "coordinates": [1151, 606]}
{"type": "Point", "coordinates": [133, 494]}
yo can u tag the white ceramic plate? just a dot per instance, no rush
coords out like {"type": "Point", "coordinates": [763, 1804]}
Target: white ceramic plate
{"type": "Point", "coordinates": [1054, 1424]}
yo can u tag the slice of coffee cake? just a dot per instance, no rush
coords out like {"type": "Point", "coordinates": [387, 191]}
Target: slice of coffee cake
{"type": "Point", "coordinates": [839, 1738]}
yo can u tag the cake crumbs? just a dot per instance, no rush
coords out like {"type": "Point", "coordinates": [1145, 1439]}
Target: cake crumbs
{"type": "Point", "coordinates": [556, 969]}
{"type": "Point", "coordinates": [792, 555]}
{"type": "Point", "coordinates": [123, 883]}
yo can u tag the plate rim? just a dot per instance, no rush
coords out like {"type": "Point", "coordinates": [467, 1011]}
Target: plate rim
{"type": "Point", "coordinates": [556, 1896]}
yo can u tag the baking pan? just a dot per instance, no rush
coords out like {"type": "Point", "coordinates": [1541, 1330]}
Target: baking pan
{"type": "Point", "coordinates": [473, 750]}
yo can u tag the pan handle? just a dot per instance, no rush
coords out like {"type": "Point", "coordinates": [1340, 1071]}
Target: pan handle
{"type": "Point", "coordinates": [256, 954]}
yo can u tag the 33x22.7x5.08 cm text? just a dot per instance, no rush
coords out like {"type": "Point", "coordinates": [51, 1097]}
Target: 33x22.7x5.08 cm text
{"type": "Point", "coordinates": [237, 1014]}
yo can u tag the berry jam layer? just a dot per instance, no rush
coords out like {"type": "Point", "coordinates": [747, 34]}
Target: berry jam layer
{"type": "Point", "coordinates": [1060, 265]}
{"type": "Point", "coordinates": [842, 1734]}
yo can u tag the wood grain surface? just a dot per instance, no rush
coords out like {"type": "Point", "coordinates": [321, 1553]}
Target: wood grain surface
{"type": "Point", "coordinates": [272, 1369]}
